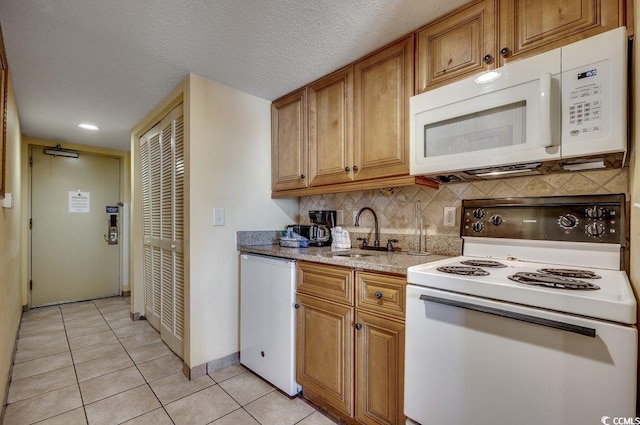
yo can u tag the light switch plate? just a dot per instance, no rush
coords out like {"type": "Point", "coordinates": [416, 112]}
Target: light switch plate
{"type": "Point", "coordinates": [7, 201]}
{"type": "Point", "coordinates": [218, 216]}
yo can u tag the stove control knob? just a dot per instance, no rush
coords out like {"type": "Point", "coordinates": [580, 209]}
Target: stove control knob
{"type": "Point", "coordinates": [478, 213]}
{"type": "Point", "coordinates": [568, 221]}
{"type": "Point", "coordinates": [595, 213]}
{"type": "Point", "coordinates": [496, 220]}
{"type": "Point", "coordinates": [595, 229]}
{"type": "Point", "coordinates": [477, 226]}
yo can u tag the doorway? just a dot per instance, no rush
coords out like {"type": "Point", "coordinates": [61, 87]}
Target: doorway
{"type": "Point", "coordinates": [71, 256]}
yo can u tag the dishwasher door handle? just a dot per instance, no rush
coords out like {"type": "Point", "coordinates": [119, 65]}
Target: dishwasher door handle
{"type": "Point", "coordinates": [568, 327]}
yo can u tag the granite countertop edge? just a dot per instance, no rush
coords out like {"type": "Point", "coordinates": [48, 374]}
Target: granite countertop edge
{"type": "Point", "coordinates": [387, 262]}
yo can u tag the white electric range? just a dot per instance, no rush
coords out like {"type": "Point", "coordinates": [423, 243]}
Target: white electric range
{"type": "Point", "coordinates": [533, 324]}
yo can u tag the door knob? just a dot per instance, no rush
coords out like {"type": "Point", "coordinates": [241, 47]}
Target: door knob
{"type": "Point", "coordinates": [358, 326]}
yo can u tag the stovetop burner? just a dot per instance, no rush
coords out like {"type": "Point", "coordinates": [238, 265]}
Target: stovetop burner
{"type": "Point", "coordinates": [551, 281]}
{"type": "Point", "coordinates": [463, 270]}
{"type": "Point", "coordinates": [483, 263]}
{"type": "Point", "coordinates": [580, 274]}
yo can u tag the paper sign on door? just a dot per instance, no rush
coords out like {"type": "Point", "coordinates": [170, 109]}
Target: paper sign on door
{"type": "Point", "coordinates": [79, 202]}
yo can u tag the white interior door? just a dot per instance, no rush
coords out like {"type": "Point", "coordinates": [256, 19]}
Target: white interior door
{"type": "Point", "coordinates": [162, 189]}
{"type": "Point", "coordinates": [71, 260]}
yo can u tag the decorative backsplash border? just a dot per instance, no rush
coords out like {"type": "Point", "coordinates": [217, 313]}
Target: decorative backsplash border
{"type": "Point", "coordinates": [396, 207]}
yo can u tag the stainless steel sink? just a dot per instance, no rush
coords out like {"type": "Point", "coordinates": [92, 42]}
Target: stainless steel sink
{"type": "Point", "coordinates": [352, 255]}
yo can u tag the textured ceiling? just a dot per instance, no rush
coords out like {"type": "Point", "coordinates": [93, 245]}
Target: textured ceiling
{"type": "Point", "coordinates": [109, 62]}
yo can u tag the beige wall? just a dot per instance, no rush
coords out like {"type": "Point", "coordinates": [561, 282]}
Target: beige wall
{"type": "Point", "coordinates": [230, 168]}
{"type": "Point", "coordinates": [634, 173]}
{"type": "Point", "coordinates": [10, 248]}
{"type": "Point", "coordinates": [227, 166]}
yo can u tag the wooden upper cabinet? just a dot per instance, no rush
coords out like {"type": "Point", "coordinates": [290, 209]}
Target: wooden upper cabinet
{"type": "Point", "coordinates": [383, 83]}
{"type": "Point", "coordinates": [529, 27]}
{"type": "Point", "coordinates": [331, 128]}
{"type": "Point", "coordinates": [456, 46]}
{"type": "Point", "coordinates": [289, 141]}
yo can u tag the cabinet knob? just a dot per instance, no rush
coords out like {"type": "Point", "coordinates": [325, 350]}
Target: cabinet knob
{"type": "Point", "coordinates": [296, 306]}
{"type": "Point", "coordinates": [355, 168]}
{"type": "Point", "coordinates": [487, 58]}
{"type": "Point", "coordinates": [347, 169]}
{"type": "Point", "coordinates": [504, 52]}
{"type": "Point", "coordinates": [358, 326]}
{"type": "Point", "coordinates": [378, 295]}
{"type": "Point", "coordinates": [302, 176]}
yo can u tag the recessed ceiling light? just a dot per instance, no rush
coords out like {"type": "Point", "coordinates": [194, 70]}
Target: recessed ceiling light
{"type": "Point", "coordinates": [88, 127]}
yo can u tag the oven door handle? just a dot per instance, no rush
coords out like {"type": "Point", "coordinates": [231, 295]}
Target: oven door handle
{"type": "Point", "coordinates": [568, 327]}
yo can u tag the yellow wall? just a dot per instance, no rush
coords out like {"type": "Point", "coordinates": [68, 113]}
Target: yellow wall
{"type": "Point", "coordinates": [10, 248]}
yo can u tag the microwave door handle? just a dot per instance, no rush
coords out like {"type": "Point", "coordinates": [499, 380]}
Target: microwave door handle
{"type": "Point", "coordinates": [545, 111]}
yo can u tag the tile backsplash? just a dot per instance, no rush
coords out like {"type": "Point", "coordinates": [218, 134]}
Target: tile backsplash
{"type": "Point", "coordinates": [396, 207]}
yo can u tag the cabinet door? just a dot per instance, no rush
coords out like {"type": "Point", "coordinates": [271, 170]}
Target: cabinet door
{"type": "Point", "coordinates": [456, 46]}
{"type": "Point", "coordinates": [324, 351]}
{"type": "Point", "coordinates": [528, 27]}
{"type": "Point", "coordinates": [379, 370]}
{"type": "Point", "coordinates": [331, 128]}
{"type": "Point", "coordinates": [289, 141]}
{"type": "Point", "coordinates": [383, 84]}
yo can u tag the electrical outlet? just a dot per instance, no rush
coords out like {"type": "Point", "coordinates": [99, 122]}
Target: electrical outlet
{"type": "Point", "coordinates": [449, 216]}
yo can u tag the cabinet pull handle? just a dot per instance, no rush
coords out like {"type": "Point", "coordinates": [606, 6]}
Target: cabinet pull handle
{"type": "Point", "coordinates": [358, 326]}
{"type": "Point", "coordinates": [545, 111]}
{"type": "Point", "coordinates": [296, 306]}
{"type": "Point", "coordinates": [355, 168]}
{"type": "Point", "coordinates": [487, 58]}
{"type": "Point", "coordinates": [504, 52]}
{"type": "Point", "coordinates": [378, 295]}
{"type": "Point", "coordinates": [347, 169]}
{"type": "Point", "coordinates": [302, 176]}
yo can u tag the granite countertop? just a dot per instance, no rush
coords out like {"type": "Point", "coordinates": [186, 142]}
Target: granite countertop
{"type": "Point", "coordinates": [389, 262]}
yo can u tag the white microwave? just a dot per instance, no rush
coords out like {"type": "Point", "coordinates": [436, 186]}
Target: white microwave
{"type": "Point", "coordinates": [565, 109]}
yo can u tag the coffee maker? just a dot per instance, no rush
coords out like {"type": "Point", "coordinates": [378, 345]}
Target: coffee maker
{"type": "Point", "coordinates": [320, 231]}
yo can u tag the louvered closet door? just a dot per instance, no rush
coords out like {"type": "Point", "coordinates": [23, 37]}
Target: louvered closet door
{"type": "Point", "coordinates": [162, 186]}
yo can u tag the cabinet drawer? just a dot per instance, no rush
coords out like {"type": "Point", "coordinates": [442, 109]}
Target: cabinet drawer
{"type": "Point", "coordinates": [381, 294]}
{"type": "Point", "coordinates": [324, 281]}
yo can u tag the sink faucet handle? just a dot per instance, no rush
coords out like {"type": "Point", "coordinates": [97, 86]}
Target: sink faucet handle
{"type": "Point", "coordinates": [390, 243]}
{"type": "Point", "coordinates": [363, 240]}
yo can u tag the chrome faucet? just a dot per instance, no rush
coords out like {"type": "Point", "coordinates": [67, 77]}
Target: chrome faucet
{"type": "Point", "coordinates": [376, 234]}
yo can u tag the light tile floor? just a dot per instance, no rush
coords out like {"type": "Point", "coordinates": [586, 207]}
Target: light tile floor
{"type": "Point", "coordinates": [90, 363]}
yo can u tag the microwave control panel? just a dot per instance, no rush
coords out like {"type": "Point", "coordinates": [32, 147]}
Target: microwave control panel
{"type": "Point", "coordinates": [585, 102]}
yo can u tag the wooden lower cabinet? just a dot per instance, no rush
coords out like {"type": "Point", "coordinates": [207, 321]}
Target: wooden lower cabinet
{"type": "Point", "coordinates": [324, 351]}
{"type": "Point", "coordinates": [379, 370]}
{"type": "Point", "coordinates": [350, 359]}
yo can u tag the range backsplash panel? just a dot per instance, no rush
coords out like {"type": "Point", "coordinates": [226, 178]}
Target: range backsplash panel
{"type": "Point", "coordinates": [395, 208]}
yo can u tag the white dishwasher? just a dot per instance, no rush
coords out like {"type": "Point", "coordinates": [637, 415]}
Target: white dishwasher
{"type": "Point", "coordinates": [267, 319]}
